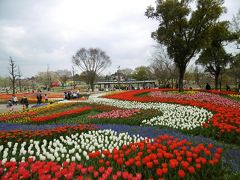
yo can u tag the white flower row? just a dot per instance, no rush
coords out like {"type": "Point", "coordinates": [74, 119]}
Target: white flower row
{"type": "Point", "coordinates": [69, 148]}
{"type": "Point", "coordinates": [174, 115]}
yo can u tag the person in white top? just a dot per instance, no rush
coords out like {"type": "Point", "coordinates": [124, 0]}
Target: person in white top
{"type": "Point", "coordinates": [15, 100]}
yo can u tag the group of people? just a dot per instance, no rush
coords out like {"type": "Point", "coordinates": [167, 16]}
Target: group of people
{"type": "Point", "coordinates": [14, 101]}
{"type": "Point", "coordinates": [71, 95]}
{"type": "Point", "coordinates": [208, 87]}
{"type": "Point", "coordinates": [24, 101]}
{"type": "Point", "coordinates": [39, 98]}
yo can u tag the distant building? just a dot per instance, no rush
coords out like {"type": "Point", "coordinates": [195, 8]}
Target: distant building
{"type": "Point", "coordinates": [56, 84]}
{"type": "Point", "coordinates": [124, 85]}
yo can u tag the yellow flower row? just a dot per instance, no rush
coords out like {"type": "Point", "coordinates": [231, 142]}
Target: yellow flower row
{"type": "Point", "coordinates": [25, 114]}
{"type": "Point", "coordinates": [235, 95]}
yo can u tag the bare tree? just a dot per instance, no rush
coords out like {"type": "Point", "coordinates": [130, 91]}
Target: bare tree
{"type": "Point", "coordinates": [234, 71]}
{"type": "Point", "coordinates": [46, 78]}
{"type": "Point", "coordinates": [198, 76]}
{"type": "Point", "coordinates": [91, 61]}
{"type": "Point", "coordinates": [73, 77]}
{"type": "Point", "coordinates": [163, 67]}
{"type": "Point", "coordinates": [235, 26]}
{"type": "Point", "coordinates": [19, 78]}
{"type": "Point", "coordinates": [13, 74]}
{"type": "Point", "coordinates": [64, 75]}
{"type": "Point", "coordinates": [49, 79]}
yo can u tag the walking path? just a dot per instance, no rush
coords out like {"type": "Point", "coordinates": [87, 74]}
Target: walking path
{"type": "Point", "coordinates": [3, 108]}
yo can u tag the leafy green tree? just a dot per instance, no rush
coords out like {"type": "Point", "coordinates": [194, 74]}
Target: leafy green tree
{"type": "Point", "coordinates": [127, 72]}
{"type": "Point", "coordinates": [214, 57]}
{"type": "Point", "coordinates": [184, 29]}
{"type": "Point", "coordinates": [142, 73]}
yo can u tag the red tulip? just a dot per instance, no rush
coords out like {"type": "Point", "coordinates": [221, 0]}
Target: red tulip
{"type": "Point", "coordinates": [191, 169]}
{"type": "Point", "coordinates": [181, 173]}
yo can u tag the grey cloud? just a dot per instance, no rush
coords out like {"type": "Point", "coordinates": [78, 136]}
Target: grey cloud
{"type": "Point", "coordinates": [35, 37]}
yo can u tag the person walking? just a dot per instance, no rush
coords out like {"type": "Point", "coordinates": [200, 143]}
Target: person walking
{"type": "Point", "coordinates": [15, 100]}
{"type": "Point", "coordinates": [24, 102]}
{"type": "Point", "coordinates": [78, 93]}
{"type": "Point", "coordinates": [10, 105]}
{"type": "Point", "coordinates": [46, 98]}
{"type": "Point", "coordinates": [208, 87]}
{"type": "Point", "coordinates": [12, 99]}
{"type": "Point", "coordinates": [39, 98]}
{"type": "Point", "coordinates": [228, 87]}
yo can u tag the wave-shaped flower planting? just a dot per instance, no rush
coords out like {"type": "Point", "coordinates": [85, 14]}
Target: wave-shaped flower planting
{"type": "Point", "coordinates": [162, 157]}
{"type": "Point", "coordinates": [225, 123]}
{"type": "Point", "coordinates": [120, 113]}
{"type": "Point", "coordinates": [174, 115]}
{"type": "Point", "coordinates": [198, 96]}
{"type": "Point", "coordinates": [60, 114]}
{"type": "Point", "coordinates": [46, 132]}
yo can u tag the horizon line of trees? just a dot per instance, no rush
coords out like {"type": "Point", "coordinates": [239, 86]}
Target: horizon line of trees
{"type": "Point", "coordinates": [162, 70]}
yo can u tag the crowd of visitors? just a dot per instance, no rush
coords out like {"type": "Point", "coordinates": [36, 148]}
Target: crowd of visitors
{"type": "Point", "coordinates": [40, 98]}
{"type": "Point", "coordinates": [71, 95]}
{"type": "Point", "coordinates": [24, 101]}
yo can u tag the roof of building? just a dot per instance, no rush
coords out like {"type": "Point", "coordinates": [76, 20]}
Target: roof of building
{"type": "Point", "coordinates": [125, 82]}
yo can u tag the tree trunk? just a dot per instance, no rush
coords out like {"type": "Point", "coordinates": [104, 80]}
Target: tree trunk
{"type": "Point", "coordinates": [92, 87]}
{"type": "Point", "coordinates": [216, 83]}
{"type": "Point", "coordinates": [20, 85]}
{"type": "Point", "coordinates": [180, 78]}
{"type": "Point", "coordinates": [13, 86]}
{"type": "Point", "coordinates": [216, 76]}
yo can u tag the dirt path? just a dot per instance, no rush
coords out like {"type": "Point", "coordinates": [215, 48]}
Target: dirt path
{"type": "Point", "coordinates": [3, 108]}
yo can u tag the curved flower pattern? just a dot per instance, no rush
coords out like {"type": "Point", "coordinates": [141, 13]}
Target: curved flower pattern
{"type": "Point", "coordinates": [174, 115]}
{"type": "Point", "coordinates": [225, 121]}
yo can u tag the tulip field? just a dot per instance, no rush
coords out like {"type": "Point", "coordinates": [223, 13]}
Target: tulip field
{"type": "Point", "coordinates": [140, 134]}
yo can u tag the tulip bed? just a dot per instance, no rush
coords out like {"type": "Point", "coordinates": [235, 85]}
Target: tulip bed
{"type": "Point", "coordinates": [143, 134]}
{"type": "Point", "coordinates": [161, 157]}
{"type": "Point", "coordinates": [21, 115]}
{"type": "Point", "coordinates": [222, 115]}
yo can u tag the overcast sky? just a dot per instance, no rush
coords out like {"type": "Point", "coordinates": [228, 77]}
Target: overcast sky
{"type": "Point", "coordinates": [49, 32]}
